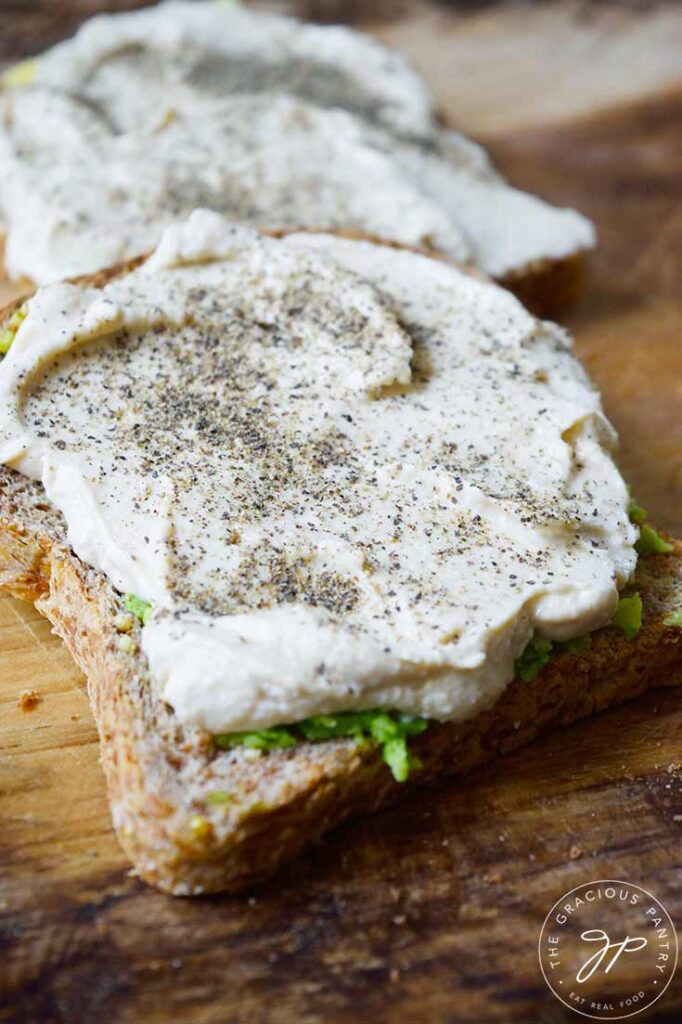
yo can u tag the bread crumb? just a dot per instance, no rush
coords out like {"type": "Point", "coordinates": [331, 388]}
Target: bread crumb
{"type": "Point", "coordinates": [494, 879]}
{"type": "Point", "coordinates": [29, 700]}
{"type": "Point", "coordinates": [394, 974]}
{"type": "Point", "coordinates": [575, 853]}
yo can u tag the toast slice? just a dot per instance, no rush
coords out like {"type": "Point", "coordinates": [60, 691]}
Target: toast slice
{"type": "Point", "coordinates": [196, 819]}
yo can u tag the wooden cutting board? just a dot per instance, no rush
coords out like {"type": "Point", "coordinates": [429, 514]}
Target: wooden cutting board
{"type": "Point", "coordinates": [429, 912]}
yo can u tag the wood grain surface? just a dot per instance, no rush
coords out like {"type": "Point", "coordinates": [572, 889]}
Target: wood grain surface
{"type": "Point", "coordinates": [429, 912]}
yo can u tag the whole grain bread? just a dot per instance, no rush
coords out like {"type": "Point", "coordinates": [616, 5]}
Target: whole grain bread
{"type": "Point", "coordinates": [163, 778]}
{"type": "Point", "coordinates": [160, 775]}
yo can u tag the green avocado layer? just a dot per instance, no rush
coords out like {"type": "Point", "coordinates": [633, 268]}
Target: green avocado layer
{"type": "Point", "coordinates": [387, 729]}
{"type": "Point", "coordinates": [628, 616]}
{"type": "Point", "coordinates": [142, 610]}
{"type": "Point", "coordinates": [9, 333]}
{"type": "Point", "coordinates": [650, 541]}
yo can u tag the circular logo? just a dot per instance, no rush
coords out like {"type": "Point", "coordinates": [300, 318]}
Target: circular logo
{"type": "Point", "coordinates": [608, 949]}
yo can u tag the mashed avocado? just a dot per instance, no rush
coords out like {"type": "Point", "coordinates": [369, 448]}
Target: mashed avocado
{"type": "Point", "coordinates": [628, 615]}
{"type": "Point", "coordinates": [137, 607]}
{"type": "Point", "coordinates": [534, 658]}
{"type": "Point", "coordinates": [8, 335]}
{"type": "Point", "coordinates": [650, 541]}
{"type": "Point", "coordinates": [538, 652]}
{"type": "Point", "coordinates": [636, 512]}
{"type": "Point", "coordinates": [387, 729]}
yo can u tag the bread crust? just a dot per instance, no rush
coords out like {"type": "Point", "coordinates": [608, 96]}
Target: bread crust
{"type": "Point", "coordinates": [549, 287]}
{"type": "Point", "coordinates": [160, 775]}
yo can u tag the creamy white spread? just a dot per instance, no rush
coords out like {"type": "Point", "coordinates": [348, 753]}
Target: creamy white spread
{"type": "Point", "coordinates": [142, 117]}
{"type": "Point", "coordinates": [345, 476]}
{"type": "Point", "coordinates": [133, 64]}
{"type": "Point", "coordinates": [84, 198]}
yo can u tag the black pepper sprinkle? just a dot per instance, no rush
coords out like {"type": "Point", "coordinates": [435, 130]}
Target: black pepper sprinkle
{"type": "Point", "coordinates": [204, 408]}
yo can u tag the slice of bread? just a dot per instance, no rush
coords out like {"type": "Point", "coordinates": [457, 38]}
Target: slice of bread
{"type": "Point", "coordinates": [194, 818]}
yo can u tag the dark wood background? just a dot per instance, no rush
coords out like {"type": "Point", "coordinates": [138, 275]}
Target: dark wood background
{"type": "Point", "coordinates": [429, 912]}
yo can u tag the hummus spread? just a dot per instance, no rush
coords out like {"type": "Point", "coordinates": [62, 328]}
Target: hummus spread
{"type": "Point", "coordinates": [142, 117]}
{"type": "Point", "coordinates": [132, 64]}
{"type": "Point", "coordinates": [345, 476]}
